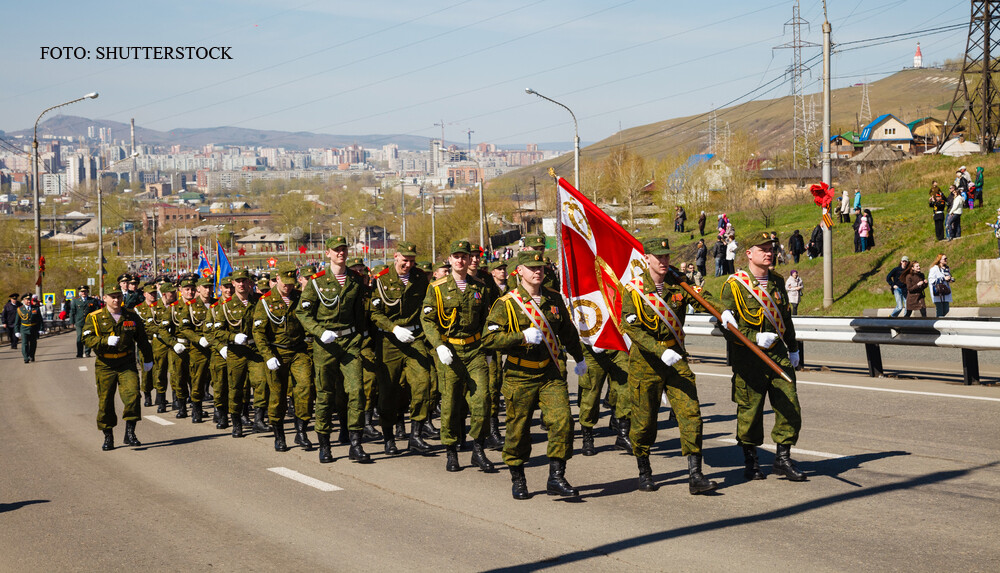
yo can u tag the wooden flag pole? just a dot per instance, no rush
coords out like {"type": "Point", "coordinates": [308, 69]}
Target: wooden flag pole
{"type": "Point", "coordinates": [680, 278]}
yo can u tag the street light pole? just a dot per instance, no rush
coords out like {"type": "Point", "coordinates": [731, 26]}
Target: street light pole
{"type": "Point", "coordinates": [827, 170]}
{"type": "Point", "coordinates": [576, 138]}
{"type": "Point", "coordinates": [100, 227]}
{"type": "Point", "coordinates": [38, 212]}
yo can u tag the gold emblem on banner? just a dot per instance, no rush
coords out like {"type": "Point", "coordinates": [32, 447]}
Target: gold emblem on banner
{"type": "Point", "coordinates": [611, 290]}
{"type": "Point", "coordinates": [577, 219]}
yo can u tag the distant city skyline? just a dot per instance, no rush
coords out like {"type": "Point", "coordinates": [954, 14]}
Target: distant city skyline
{"type": "Point", "coordinates": [402, 67]}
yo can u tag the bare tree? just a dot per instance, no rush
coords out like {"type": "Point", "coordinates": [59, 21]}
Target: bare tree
{"type": "Point", "coordinates": [741, 171]}
{"type": "Point", "coordinates": [629, 178]}
{"type": "Point", "coordinates": [884, 178]}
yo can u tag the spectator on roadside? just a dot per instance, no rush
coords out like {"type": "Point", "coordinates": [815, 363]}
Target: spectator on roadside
{"type": "Point", "coordinates": [777, 249]}
{"type": "Point", "coordinates": [916, 284]}
{"type": "Point", "coordinates": [815, 248]}
{"type": "Point", "coordinates": [701, 223]}
{"type": "Point", "coordinates": [694, 277]}
{"type": "Point", "coordinates": [996, 231]}
{"type": "Point", "coordinates": [863, 228]}
{"type": "Point", "coordinates": [857, 228]}
{"type": "Point", "coordinates": [845, 208]}
{"type": "Point", "coordinates": [857, 199]}
{"type": "Point", "coordinates": [731, 248]}
{"type": "Point", "coordinates": [939, 206]}
{"type": "Point", "coordinates": [796, 245]}
{"type": "Point", "coordinates": [871, 228]}
{"type": "Point", "coordinates": [961, 183]}
{"type": "Point", "coordinates": [979, 186]}
{"type": "Point", "coordinates": [940, 280]}
{"type": "Point", "coordinates": [955, 214]}
{"type": "Point", "coordinates": [793, 285]}
{"type": "Point", "coordinates": [10, 321]}
{"type": "Point", "coordinates": [701, 255]}
{"type": "Point", "coordinates": [719, 253]}
{"type": "Point", "coordinates": [897, 286]}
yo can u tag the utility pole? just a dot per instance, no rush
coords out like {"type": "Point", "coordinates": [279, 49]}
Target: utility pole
{"type": "Point", "coordinates": [100, 237]}
{"type": "Point", "coordinates": [156, 266]}
{"type": "Point", "coordinates": [979, 69]}
{"type": "Point", "coordinates": [131, 173]}
{"type": "Point", "coordinates": [402, 205]}
{"type": "Point", "coordinates": [827, 172]}
{"type": "Point", "coordinates": [482, 206]}
{"type": "Point", "coordinates": [434, 255]}
{"type": "Point", "coordinates": [469, 132]}
{"type": "Point", "coordinates": [800, 142]}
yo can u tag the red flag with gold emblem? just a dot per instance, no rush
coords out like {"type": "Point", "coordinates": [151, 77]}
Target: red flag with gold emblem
{"type": "Point", "coordinates": [600, 256]}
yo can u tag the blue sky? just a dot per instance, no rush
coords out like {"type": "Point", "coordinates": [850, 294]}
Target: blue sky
{"type": "Point", "coordinates": [402, 66]}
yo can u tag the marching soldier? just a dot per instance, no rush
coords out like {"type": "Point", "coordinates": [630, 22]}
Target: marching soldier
{"type": "Point", "coordinates": [179, 360]}
{"type": "Point", "coordinates": [498, 280]}
{"type": "Point", "coordinates": [397, 295]}
{"type": "Point", "coordinates": [190, 319]}
{"type": "Point", "coordinates": [217, 363]}
{"type": "Point", "coordinates": [145, 310]}
{"type": "Point", "coordinates": [113, 333]}
{"type": "Point", "coordinates": [243, 362]}
{"type": "Point", "coordinates": [78, 311]}
{"type": "Point", "coordinates": [131, 296]}
{"type": "Point", "coordinates": [332, 309]}
{"type": "Point", "coordinates": [653, 312]}
{"type": "Point", "coordinates": [613, 366]}
{"type": "Point", "coordinates": [29, 320]}
{"type": "Point", "coordinates": [530, 323]}
{"type": "Point", "coordinates": [166, 347]}
{"type": "Point", "coordinates": [454, 311]}
{"type": "Point", "coordinates": [758, 297]}
{"type": "Point", "coordinates": [281, 341]}
{"type": "Point", "coordinates": [371, 344]}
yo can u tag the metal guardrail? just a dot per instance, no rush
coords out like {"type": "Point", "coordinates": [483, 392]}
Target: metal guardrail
{"type": "Point", "coordinates": [49, 327]}
{"type": "Point", "coordinates": [970, 335]}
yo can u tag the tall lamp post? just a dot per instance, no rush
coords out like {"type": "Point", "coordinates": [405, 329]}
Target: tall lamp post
{"type": "Point", "coordinates": [100, 227]}
{"type": "Point", "coordinates": [38, 212]}
{"type": "Point", "coordinates": [576, 136]}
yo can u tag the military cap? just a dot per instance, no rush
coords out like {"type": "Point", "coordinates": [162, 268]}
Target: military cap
{"type": "Point", "coordinates": [123, 277]}
{"type": "Point", "coordinates": [497, 265]}
{"type": "Point", "coordinates": [14, 295]}
{"type": "Point", "coordinates": [406, 248]}
{"type": "Point", "coordinates": [535, 241]}
{"type": "Point", "coordinates": [149, 288]}
{"type": "Point", "coordinates": [461, 246]}
{"type": "Point", "coordinates": [239, 274]}
{"type": "Point", "coordinates": [113, 290]}
{"type": "Point", "coordinates": [308, 271]}
{"type": "Point", "coordinates": [189, 282]}
{"type": "Point", "coordinates": [476, 250]}
{"type": "Point", "coordinates": [656, 246]}
{"type": "Point", "coordinates": [226, 280]}
{"type": "Point", "coordinates": [134, 280]}
{"type": "Point", "coordinates": [757, 238]}
{"type": "Point", "coordinates": [287, 273]}
{"type": "Point", "coordinates": [167, 287]}
{"type": "Point", "coordinates": [84, 288]}
{"type": "Point", "coordinates": [379, 268]}
{"type": "Point", "coordinates": [264, 285]}
{"type": "Point", "coordinates": [425, 266]}
{"type": "Point", "coordinates": [356, 262]}
{"type": "Point", "coordinates": [26, 295]}
{"type": "Point", "coordinates": [530, 258]}
{"type": "Point", "coordinates": [337, 241]}
{"type": "Point", "coordinates": [205, 282]}
{"type": "Point", "coordinates": [445, 264]}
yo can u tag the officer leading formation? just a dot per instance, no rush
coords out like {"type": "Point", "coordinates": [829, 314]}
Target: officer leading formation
{"type": "Point", "coordinates": [359, 349]}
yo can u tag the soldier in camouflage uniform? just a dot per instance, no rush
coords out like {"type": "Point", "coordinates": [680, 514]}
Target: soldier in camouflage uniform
{"type": "Point", "coordinates": [145, 310]}
{"type": "Point", "coordinates": [281, 341]}
{"type": "Point", "coordinates": [332, 309]}
{"type": "Point", "coordinates": [397, 296]}
{"type": "Point", "coordinates": [371, 345]}
{"type": "Point", "coordinates": [243, 362]}
{"type": "Point", "coordinates": [498, 278]}
{"type": "Point", "coordinates": [610, 365]}
{"type": "Point", "coordinates": [113, 333]}
{"type": "Point", "coordinates": [653, 312]}
{"type": "Point", "coordinates": [453, 315]}
{"type": "Point", "coordinates": [165, 345]}
{"type": "Point", "coordinates": [190, 317]}
{"type": "Point", "coordinates": [758, 298]}
{"type": "Point", "coordinates": [531, 324]}
{"type": "Point", "coordinates": [217, 363]}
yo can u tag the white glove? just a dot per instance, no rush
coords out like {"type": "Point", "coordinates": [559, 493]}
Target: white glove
{"type": "Point", "coordinates": [532, 335]}
{"type": "Point", "coordinates": [795, 358]}
{"type": "Point", "coordinates": [273, 363]}
{"type": "Point", "coordinates": [327, 336]}
{"type": "Point", "coordinates": [113, 340]}
{"type": "Point", "coordinates": [580, 368]}
{"type": "Point", "coordinates": [445, 355]}
{"type": "Point", "coordinates": [203, 342]}
{"type": "Point", "coordinates": [766, 339]}
{"type": "Point", "coordinates": [17, 335]}
{"type": "Point", "coordinates": [179, 348]}
{"type": "Point", "coordinates": [147, 366]}
{"type": "Point", "coordinates": [669, 357]}
{"type": "Point", "coordinates": [727, 319]}
{"type": "Point", "coordinates": [240, 338]}
{"type": "Point", "coordinates": [596, 350]}
{"type": "Point", "coordinates": [224, 352]}
{"type": "Point", "coordinates": [402, 335]}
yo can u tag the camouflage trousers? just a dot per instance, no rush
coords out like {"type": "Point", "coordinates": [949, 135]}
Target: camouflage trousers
{"type": "Point", "coordinates": [496, 380]}
{"type": "Point", "coordinates": [524, 390]}
{"type": "Point", "coordinates": [156, 379]}
{"type": "Point", "coordinates": [116, 374]}
{"type": "Point", "coordinates": [371, 373]}
{"type": "Point", "coordinates": [464, 382]}
{"type": "Point", "coordinates": [648, 377]}
{"type": "Point", "coordinates": [246, 370]}
{"type": "Point", "coordinates": [200, 377]}
{"type": "Point", "coordinates": [610, 365]}
{"type": "Point", "coordinates": [752, 381]}
{"type": "Point", "coordinates": [339, 383]}
{"type": "Point", "coordinates": [220, 380]}
{"type": "Point", "coordinates": [410, 363]}
{"type": "Point", "coordinates": [296, 372]}
{"type": "Point", "coordinates": [180, 373]}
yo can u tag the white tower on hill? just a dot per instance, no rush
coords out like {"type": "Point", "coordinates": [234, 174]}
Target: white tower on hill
{"type": "Point", "coordinates": [918, 58]}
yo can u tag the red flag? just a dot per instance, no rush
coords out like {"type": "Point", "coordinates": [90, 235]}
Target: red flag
{"type": "Point", "coordinates": [822, 194]}
{"type": "Point", "coordinates": [599, 257]}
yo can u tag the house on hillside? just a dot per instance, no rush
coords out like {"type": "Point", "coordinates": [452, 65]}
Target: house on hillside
{"type": "Point", "coordinates": [845, 145]}
{"type": "Point", "coordinates": [888, 129]}
{"type": "Point", "coordinates": [781, 180]}
{"type": "Point", "coordinates": [879, 154]}
{"type": "Point", "coordinates": [692, 181]}
{"type": "Point", "coordinates": [927, 133]}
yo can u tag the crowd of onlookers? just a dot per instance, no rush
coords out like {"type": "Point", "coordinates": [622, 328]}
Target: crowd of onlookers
{"type": "Point", "coordinates": [909, 286]}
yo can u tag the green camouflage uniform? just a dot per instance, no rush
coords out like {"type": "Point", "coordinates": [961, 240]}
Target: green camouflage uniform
{"type": "Point", "coordinates": [217, 363]}
{"type": "Point", "coordinates": [156, 378]}
{"type": "Point", "coordinates": [190, 318]}
{"type": "Point", "coordinates": [610, 365]}
{"type": "Point", "coordinates": [114, 366]}
{"type": "Point", "coordinates": [279, 334]}
{"type": "Point", "coordinates": [243, 362]}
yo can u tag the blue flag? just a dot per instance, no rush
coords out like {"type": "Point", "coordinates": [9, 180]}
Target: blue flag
{"type": "Point", "coordinates": [222, 267]}
{"type": "Point", "coordinates": [204, 269]}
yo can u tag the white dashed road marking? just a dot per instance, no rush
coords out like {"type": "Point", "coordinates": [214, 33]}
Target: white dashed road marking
{"type": "Point", "coordinates": [815, 454]}
{"type": "Point", "coordinates": [304, 479]}
{"type": "Point", "coordinates": [83, 369]}
{"type": "Point", "coordinates": [159, 420]}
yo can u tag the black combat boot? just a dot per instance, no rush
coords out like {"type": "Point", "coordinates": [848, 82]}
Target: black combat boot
{"type": "Point", "coordinates": [452, 458]}
{"type": "Point", "coordinates": [417, 443]}
{"type": "Point", "coordinates": [645, 474]}
{"type": "Point", "coordinates": [784, 466]}
{"type": "Point", "coordinates": [370, 431]}
{"type": "Point", "coordinates": [400, 430]}
{"type": "Point", "coordinates": [109, 440]}
{"type": "Point", "coordinates": [161, 402]}
{"type": "Point", "coordinates": [245, 415]}
{"type": "Point", "coordinates": [357, 453]}
{"type": "Point", "coordinates": [182, 409]}
{"type": "Point", "coordinates": [613, 423]}
{"type": "Point", "coordinates": [215, 417]}
{"type": "Point", "coordinates": [196, 412]}
{"type": "Point", "coordinates": [130, 439]}
{"type": "Point", "coordinates": [343, 435]}
{"type": "Point", "coordinates": [557, 484]}
{"type": "Point", "coordinates": [223, 422]}
{"type": "Point", "coordinates": [147, 399]}
{"type": "Point", "coordinates": [428, 431]}
{"type": "Point", "coordinates": [494, 441]}
{"type": "Point", "coordinates": [751, 466]}
{"type": "Point", "coordinates": [301, 436]}
{"type": "Point", "coordinates": [260, 421]}
{"type": "Point", "coordinates": [479, 456]}
{"type": "Point", "coordinates": [390, 445]}
{"type": "Point", "coordinates": [279, 436]}
{"type": "Point", "coordinates": [697, 482]}
{"type": "Point", "coordinates": [174, 404]}
{"type": "Point", "coordinates": [237, 425]}
{"type": "Point", "coordinates": [519, 485]}
{"type": "Point", "coordinates": [588, 441]}
{"type": "Point", "coordinates": [325, 456]}
{"type": "Point", "coordinates": [623, 442]}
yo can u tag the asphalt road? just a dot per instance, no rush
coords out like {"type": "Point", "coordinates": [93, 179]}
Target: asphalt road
{"type": "Point", "coordinates": [904, 476]}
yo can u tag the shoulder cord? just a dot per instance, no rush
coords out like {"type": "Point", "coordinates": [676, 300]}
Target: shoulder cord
{"type": "Point", "coordinates": [442, 317]}
{"type": "Point", "coordinates": [650, 321]}
{"type": "Point", "coordinates": [194, 322]}
{"type": "Point", "coordinates": [328, 302]}
{"type": "Point", "coordinates": [270, 316]}
{"type": "Point", "coordinates": [382, 295]}
{"type": "Point", "coordinates": [512, 324]}
{"type": "Point", "coordinates": [229, 321]}
{"type": "Point", "coordinates": [751, 318]}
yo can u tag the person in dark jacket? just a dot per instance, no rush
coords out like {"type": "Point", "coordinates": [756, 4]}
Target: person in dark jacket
{"type": "Point", "coordinates": [939, 205]}
{"type": "Point", "coordinates": [701, 254]}
{"type": "Point", "coordinates": [897, 285]}
{"type": "Point", "coordinates": [701, 225]}
{"type": "Point", "coordinates": [10, 319]}
{"type": "Point", "coordinates": [979, 186]}
{"type": "Point", "coordinates": [796, 245]}
{"type": "Point", "coordinates": [719, 253]}
{"type": "Point", "coordinates": [816, 242]}
{"type": "Point", "coordinates": [871, 229]}
{"type": "Point", "coordinates": [916, 284]}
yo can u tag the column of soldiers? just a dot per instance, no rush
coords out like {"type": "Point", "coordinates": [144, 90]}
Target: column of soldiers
{"type": "Point", "coordinates": [358, 350]}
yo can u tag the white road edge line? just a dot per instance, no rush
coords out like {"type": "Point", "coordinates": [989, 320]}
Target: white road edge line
{"type": "Point", "coordinates": [159, 420]}
{"type": "Point", "coordinates": [893, 390]}
{"type": "Point", "coordinates": [771, 448]}
{"type": "Point", "coordinates": [83, 368]}
{"type": "Point", "coordinates": [304, 479]}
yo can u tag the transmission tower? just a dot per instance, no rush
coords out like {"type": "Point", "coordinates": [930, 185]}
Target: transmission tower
{"type": "Point", "coordinates": [866, 106]}
{"type": "Point", "coordinates": [976, 101]}
{"type": "Point", "coordinates": [713, 133]}
{"type": "Point", "coordinates": [800, 138]}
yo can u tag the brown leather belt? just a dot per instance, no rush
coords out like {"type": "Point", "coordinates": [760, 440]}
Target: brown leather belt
{"type": "Point", "coordinates": [464, 341]}
{"type": "Point", "coordinates": [113, 355]}
{"type": "Point", "coordinates": [529, 363]}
